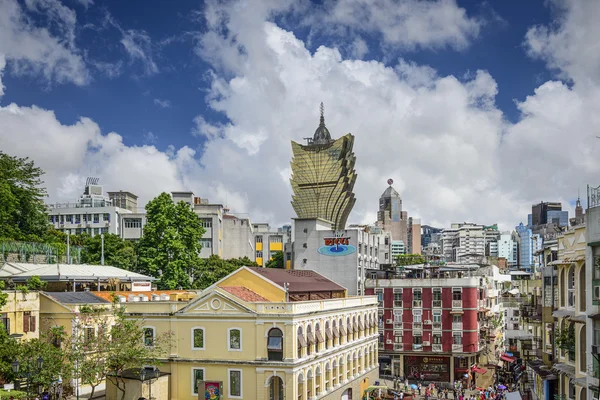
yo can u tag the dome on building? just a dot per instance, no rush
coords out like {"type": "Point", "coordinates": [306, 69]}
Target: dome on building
{"type": "Point", "coordinates": [322, 135]}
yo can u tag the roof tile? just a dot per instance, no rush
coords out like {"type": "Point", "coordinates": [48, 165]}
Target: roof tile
{"type": "Point", "coordinates": [245, 294]}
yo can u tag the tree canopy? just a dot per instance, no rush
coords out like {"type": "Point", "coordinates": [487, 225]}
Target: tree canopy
{"type": "Point", "coordinates": [409, 259]}
{"type": "Point", "coordinates": [276, 261]}
{"type": "Point", "coordinates": [170, 246]}
{"type": "Point", "coordinates": [214, 268]}
{"type": "Point", "coordinates": [117, 252]}
{"type": "Point", "coordinates": [22, 211]}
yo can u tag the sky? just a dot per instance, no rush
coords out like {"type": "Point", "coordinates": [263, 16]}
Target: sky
{"type": "Point", "coordinates": [476, 110]}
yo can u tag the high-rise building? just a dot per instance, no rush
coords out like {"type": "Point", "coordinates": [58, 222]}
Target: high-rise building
{"type": "Point", "coordinates": [126, 200]}
{"type": "Point", "coordinates": [547, 212]}
{"type": "Point", "coordinates": [430, 234]}
{"type": "Point", "coordinates": [414, 235]}
{"type": "Point", "coordinates": [525, 246]}
{"type": "Point", "coordinates": [391, 218]}
{"type": "Point", "coordinates": [507, 249]}
{"type": "Point", "coordinates": [323, 177]}
{"type": "Point", "coordinates": [398, 248]}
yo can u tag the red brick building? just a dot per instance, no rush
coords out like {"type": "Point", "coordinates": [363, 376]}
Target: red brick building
{"type": "Point", "coordinates": [430, 326]}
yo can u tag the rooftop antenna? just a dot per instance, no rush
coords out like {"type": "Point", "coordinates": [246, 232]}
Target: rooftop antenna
{"type": "Point", "coordinates": [322, 110]}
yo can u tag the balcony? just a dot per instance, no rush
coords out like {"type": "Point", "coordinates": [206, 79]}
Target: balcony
{"type": "Point", "coordinates": [457, 326]}
{"type": "Point", "coordinates": [436, 348]}
{"type": "Point", "coordinates": [398, 326]}
{"type": "Point", "coordinates": [417, 303]}
{"type": "Point", "coordinates": [417, 347]}
{"type": "Point", "coordinates": [417, 326]}
{"type": "Point", "coordinates": [457, 304]}
{"type": "Point", "coordinates": [436, 304]}
{"type": "Point", "coordinates": [436, 326]}
{"type": "Point", "coordinates": [397, 303]}
{"type": "Point", "coordinates": [398, 346]}
{"type": "Point", "coordinates": [457, 347]}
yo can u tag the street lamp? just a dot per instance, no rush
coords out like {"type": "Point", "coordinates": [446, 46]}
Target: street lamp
{"type": "Point", "coordinates": [150, 374]}
{"type": "Point", "coordinates": [16, 366]}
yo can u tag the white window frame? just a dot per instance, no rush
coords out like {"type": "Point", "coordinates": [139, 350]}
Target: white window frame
{"type": "Point", "coordinates": [436, 313]}
{"type": "Point", "coordinates": [418, 313]}
{"type": "Point", "coordinates": [153, 334]}
{"type": "Point", "coordinates": [194, 369]}
{"type": "Point", "coordinates": [229, 370]}
{"type": "Point", "coordinates": [203, 338]}
{"type": "Point", "coordinates": [229, 339]}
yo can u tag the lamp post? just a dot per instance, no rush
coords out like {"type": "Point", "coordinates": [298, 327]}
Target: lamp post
{"type": "Point", "coordinates": [150, 374]}
{"type": "Point", "coordinates": [16, 366]}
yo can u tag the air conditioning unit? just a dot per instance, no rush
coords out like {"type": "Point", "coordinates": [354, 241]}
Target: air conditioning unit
{"type": "Point", "coordinates": [389, 321]}
{"type": "Point", "coordinates": [427, 322]}
{"type": "Point", "coordinates": [596, 292]}
{"type": "Point", "coordinates": [426, 343]}
{"type": "Point", "coordinates": [389, 341]}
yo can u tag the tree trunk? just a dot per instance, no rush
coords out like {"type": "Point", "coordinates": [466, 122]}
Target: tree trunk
{"type": "Point", "coordinates": [93, 391]}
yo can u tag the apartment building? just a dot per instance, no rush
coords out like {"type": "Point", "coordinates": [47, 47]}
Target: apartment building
{"type": "Point", "coordinates": [264, 333]}
{"type": "Point", "coordinates": [268, 241]}
{"type": "Point", "coordinates": [464, 243]}
{"type": "Point", "coordinates": [20, 315]}
{"type": "Point", "coordinates": [434, 321]}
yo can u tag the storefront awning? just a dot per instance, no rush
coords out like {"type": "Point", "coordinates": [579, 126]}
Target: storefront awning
{"type": "Point", "coordinates": [506, 358]}
{"type": "Point", "coordinates": [479, 370]}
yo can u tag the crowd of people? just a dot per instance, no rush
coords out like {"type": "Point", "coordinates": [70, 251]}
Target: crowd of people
{"type": "Point", "coordinates": [457, 392]}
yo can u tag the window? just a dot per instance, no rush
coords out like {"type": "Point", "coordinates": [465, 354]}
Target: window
{"type": "Point", "coordinates": [417, 296]}
{"type": "Point", "coordinates": [132, 222]}
{"type": "Point", "coordinates": [28, 322]}
{"type": "Point", "coordinates": [456, 338]}
{"type": "Point", "coordinates": [148, 336]}
{"type": "Point", "coordinates": [398, 338]}
{"type": "Point", "coordinates": [456, 294]}
{"type": "Point", "coordinates": [437, 315]}
{"type": "Point", "coordinates": [437, 339]}
{"type": "Point", "coordinates": [259, 239]}
{"type": "Point", "coordinates": [397, 297]}
{"type": "Point", "coordinates": [197, 338]}
{"type": "Point", "coordinates": [89, 333]}
{"type": "Point", "coordinates": [96, 218]}
{"type": "Point", "coordinates": [417, 316]}
{"type": "Point", "coordinates": [418, 340]}
{"type": "Point", "coordinates": [106, 217]}
{"type": "Point", "coordinates": [235, 383]}
{"type": "Point", "coordinates": [96, 231]}
{"type": "Point", "coordinates": [259, 254]}
{"type": "Point", "coordinates": [206, 222]}
{"type": "Point", "coordinates": [457, 318]}
{"type": "Point", "coordinates": [206, 243]}
{"type": "Point", "coordinates": [397, 315]}
{"type": "Point", "coordinates": [276, 239]}
{"type": "Point", "coordinates": [69, 218]}
{"type": "Point", "coordinates": [235, 339]}
{"type": "Point", "coordinates": [515, 313]}
{"type": "Point", "coordinates": [197, 376]}
{"type": "Point", "coordinates": [275, 345]}
{"type": "Point", "coordinates": [5, 321]}
{"type": "Point", "coordinates": [437, 294]}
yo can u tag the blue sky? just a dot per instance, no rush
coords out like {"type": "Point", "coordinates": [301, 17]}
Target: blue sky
{"type": "Point", "coordinates": [167, 76]}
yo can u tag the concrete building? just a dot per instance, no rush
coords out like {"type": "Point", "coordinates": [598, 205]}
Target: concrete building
{"type": "Point", "coordinates": [262, 333]}
{"type": "Point", "coordinates": [267, 241]}
{"type": "Point", "coordinates": [391, 218]}
{"type": "Point", "coordinates": [20, 315]}
{"type": "Point", "coordinates": [464, 243]}
{"type": "Point", "coordinates": [506, 249]}
{"type": "Point", "coordinates": [126, 200]}
{"type": "Point", "coordinates": [434, 322]}
{"type": "Point", "coordinates": [429, 234]}
{"type": "Point", "coordinates": [323, 177]}
{"type": "Point", "coordinates": [131, 226]}
{"type": "Point", "coordinates": [414, 235]}
{"type": "Point", "coordinates": [398, 248]}
{"type": "Point", "coordinates": [547, 212]}
{"type": "Point", "coordinates": [94, 213]}
{"type": "Point", "coordinates": [342, 256]}
{"type": "Point", "coordinates": [238, 237]}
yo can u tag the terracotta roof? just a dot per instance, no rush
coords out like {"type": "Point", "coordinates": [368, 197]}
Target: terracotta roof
{"type": "Point", "coordinates": [299, 280]}
{"type": "Point", "coordinates": [244, 294]}
{"type": "Point", "coordinates": [108, 295]}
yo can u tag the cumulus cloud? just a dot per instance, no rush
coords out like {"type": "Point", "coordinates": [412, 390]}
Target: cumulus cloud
{"type": "Point", "coordinates": [30, 49]}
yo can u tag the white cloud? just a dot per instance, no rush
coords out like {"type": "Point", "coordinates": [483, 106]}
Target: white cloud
{"type": "Point", "coordinates": [138, 46]}
{"type": "Point", "coordinates": [408, 24]}
{"type": "Point", "coordinates": [30, 49]}
{"type": "Point", "coordinates": [86, 3]}
{"type": "Point", "coordinates": [162, 103]}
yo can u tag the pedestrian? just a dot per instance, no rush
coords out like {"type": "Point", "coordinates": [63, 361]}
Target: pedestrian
{"type": "Point", "coordinates": [446, 393]}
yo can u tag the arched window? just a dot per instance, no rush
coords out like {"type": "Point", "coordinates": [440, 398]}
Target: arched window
{"type": "Point", "coordinates": [197, 338]}
{"type": "Point", "coordinates": [275, 345]}
{"type": "Point", "coordinates": [349, 329]}
{"type": "Point", "coordinates": [309, 338]}
{"type": "Point", "coordinates": [234, 339]}
{"type": "Point", "coordinates": [319, 337]}
{"type": "Point", "coordinates": [149, 335]}
{"type": "Point", "coordinates": [336, 332]}
{"type": "Point", "coordinates": [328, 336]}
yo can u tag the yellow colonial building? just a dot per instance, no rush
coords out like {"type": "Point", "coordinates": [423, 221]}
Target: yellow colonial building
{"type": "Point", "coordinates": [263, 333]}
{"type": "Point", "coordinates": [20, 315]}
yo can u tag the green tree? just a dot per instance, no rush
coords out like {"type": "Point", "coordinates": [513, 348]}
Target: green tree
{"type": "Point", "coordinates": [117, 252]}
{"type": "Point", "coordinates": [53, 368]}
{"type": "Point", "coordinates": [9, 350]}
{"type": "Point", "coordinates": [127, 349]}
{"type": "Point", "coordinates": [22, 211]}
{"type": "Point", "coordinates": [170, 247]}
{"type": "Point", "coordinates": [409, 259]}
{"type": "Point", "coordinates": [276, 261]}
{"type": "Point", "coordinates": [214, 268]}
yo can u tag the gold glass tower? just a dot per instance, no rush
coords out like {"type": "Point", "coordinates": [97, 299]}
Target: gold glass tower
{"type": "Point", "coordinates": [323, 176]}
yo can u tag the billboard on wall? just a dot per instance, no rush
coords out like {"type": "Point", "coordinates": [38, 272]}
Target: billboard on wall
{"type": "Point", "coordinates": [428, 367]}
{"type": "Point", "coordinates": [141, 286]}
{"type": "Point", "coordinates": [337, 245]}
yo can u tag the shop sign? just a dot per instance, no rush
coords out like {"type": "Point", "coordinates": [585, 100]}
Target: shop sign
{"type": "Point", "coordinates": [337, 245]}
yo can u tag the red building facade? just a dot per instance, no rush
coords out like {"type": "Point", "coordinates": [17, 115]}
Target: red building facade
{"type": "Point", "coordinates": [429, 328]}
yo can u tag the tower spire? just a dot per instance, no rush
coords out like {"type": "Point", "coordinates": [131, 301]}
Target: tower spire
{"type": "Point", "coordinates": [322, 109]}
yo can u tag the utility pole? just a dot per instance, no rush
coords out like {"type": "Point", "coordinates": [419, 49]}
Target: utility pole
{"type": "Point", "coordinates": [102, 254]}
{"type": "Point", "coordinates": [69, 247]}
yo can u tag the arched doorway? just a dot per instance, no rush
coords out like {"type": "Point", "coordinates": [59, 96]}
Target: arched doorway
{"type": "Point", "coordinates": [310, 392]}
{"type": "Point", "coordinates": [347, 395]}
{"type": "Point", "coordinates": [582, 346]}
{"type": "Point", "coordinates": [301, 386]}
{"type": "Point", "coordinates": [581, 289]}
{"type": "Point", "coordinates": [276, 388]}
{"type": "Point", "coordinates": [318, 381]}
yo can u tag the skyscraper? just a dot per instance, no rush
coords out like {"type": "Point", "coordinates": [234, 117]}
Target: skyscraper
{"type": "Point", "coordinates": [323, 176]}
{"type": "Point", "coordinates": [391, 218]}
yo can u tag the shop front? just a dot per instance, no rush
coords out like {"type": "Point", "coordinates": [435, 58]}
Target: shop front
{"type": "Point", "coordinates": [427, 368]}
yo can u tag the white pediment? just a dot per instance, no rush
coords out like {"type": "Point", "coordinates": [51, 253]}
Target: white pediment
{"type": "Point", "coordinates": [215, 303]}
